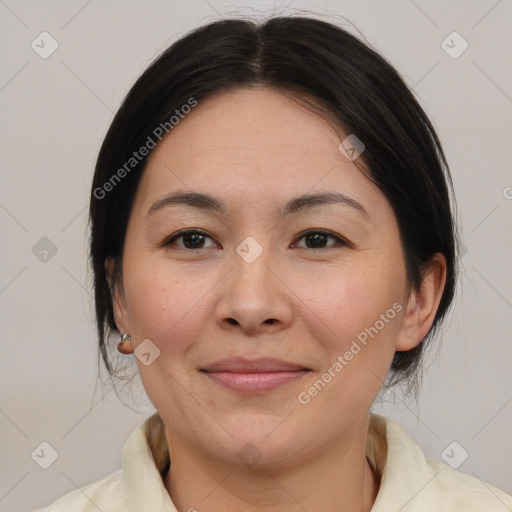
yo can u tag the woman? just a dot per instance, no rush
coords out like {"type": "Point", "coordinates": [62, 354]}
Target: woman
{"type": "Point", "coordinates": [272, 237]}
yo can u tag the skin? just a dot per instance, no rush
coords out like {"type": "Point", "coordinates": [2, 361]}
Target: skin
{"type": "Point", "coordinates": [255, 149]}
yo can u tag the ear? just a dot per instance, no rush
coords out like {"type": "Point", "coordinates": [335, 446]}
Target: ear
{"type": "Point", "coordinates": [422, 305]}
{"type": "Point", "coordinates": [121, 316]}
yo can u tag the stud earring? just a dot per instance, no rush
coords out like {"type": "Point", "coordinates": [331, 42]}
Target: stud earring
{"type": "Point", "coordinates": [125, 337]}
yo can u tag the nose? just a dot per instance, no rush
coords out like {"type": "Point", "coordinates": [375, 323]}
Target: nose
{"type": "Point", "coordinates": [254, 300]}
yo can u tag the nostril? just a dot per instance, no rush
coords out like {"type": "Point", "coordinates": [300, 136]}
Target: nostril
{"type": "Point", "coordinates": [232, 321]}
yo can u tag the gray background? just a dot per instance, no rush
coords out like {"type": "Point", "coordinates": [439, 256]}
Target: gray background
{"type": "Point", "coordinates": [55, 112]}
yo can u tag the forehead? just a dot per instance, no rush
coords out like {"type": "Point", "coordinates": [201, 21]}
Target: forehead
{"type": "Point", "coordinates": [255, 114]}
{"type": "Point", "coordinates": [252, 141]}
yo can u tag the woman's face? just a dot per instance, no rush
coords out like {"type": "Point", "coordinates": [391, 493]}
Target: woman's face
{"type": "Point", "coordinates": [315, 283]}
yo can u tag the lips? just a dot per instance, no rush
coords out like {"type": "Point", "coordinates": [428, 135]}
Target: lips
{"type": "Point", "coordinates": [253, 376]}
{"type": "Point", "coordinates": [263, 365]}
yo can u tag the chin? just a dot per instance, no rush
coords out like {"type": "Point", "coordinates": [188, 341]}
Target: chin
{"type": "Point", "coordinates": [261, 444]}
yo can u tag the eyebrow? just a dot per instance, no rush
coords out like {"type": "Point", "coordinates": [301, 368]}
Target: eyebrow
{"type": "Point", "coordinates": [295, 205]}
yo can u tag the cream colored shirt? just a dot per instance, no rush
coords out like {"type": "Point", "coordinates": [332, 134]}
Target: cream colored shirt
{"type": "Point", "coordinates": [409, 481]}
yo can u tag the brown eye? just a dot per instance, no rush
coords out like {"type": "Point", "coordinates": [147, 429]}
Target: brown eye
{"type": "Point", "coordinates": [190, 239]}
{"type": "Point", "coordinates": [318, 239]}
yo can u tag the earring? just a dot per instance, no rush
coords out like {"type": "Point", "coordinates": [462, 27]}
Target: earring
{"type": "Point", "coordinates": [125, 337]}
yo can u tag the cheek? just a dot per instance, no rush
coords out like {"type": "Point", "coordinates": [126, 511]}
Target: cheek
{"type": "Point", "coordinates": [166, 306]}
{"type": "Point", "coordinates": [349, 298]}
{"type": "Point", "coordinates": [354, 317]}
{"type": "Point", "coordinates": [353, 322]}
{"type": "Point", "coordinates": [170, 310]}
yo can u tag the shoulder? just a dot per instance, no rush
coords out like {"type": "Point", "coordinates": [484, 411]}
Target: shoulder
{"type": "Point", "coordinates": [411, 482]}
{"type": "Point", "coordinates": [137, 485]}
{"type": "Point", "coordinates": [105, 494]}
{"type": "Point", "coordinates": [465, 492]}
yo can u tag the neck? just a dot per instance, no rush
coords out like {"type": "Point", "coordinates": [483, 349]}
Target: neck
{"type": "Point", "coordinates": [339, 479]}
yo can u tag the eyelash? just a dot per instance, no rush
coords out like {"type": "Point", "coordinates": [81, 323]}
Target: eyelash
{"type": "Point", "coordinates": [170, 240]}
